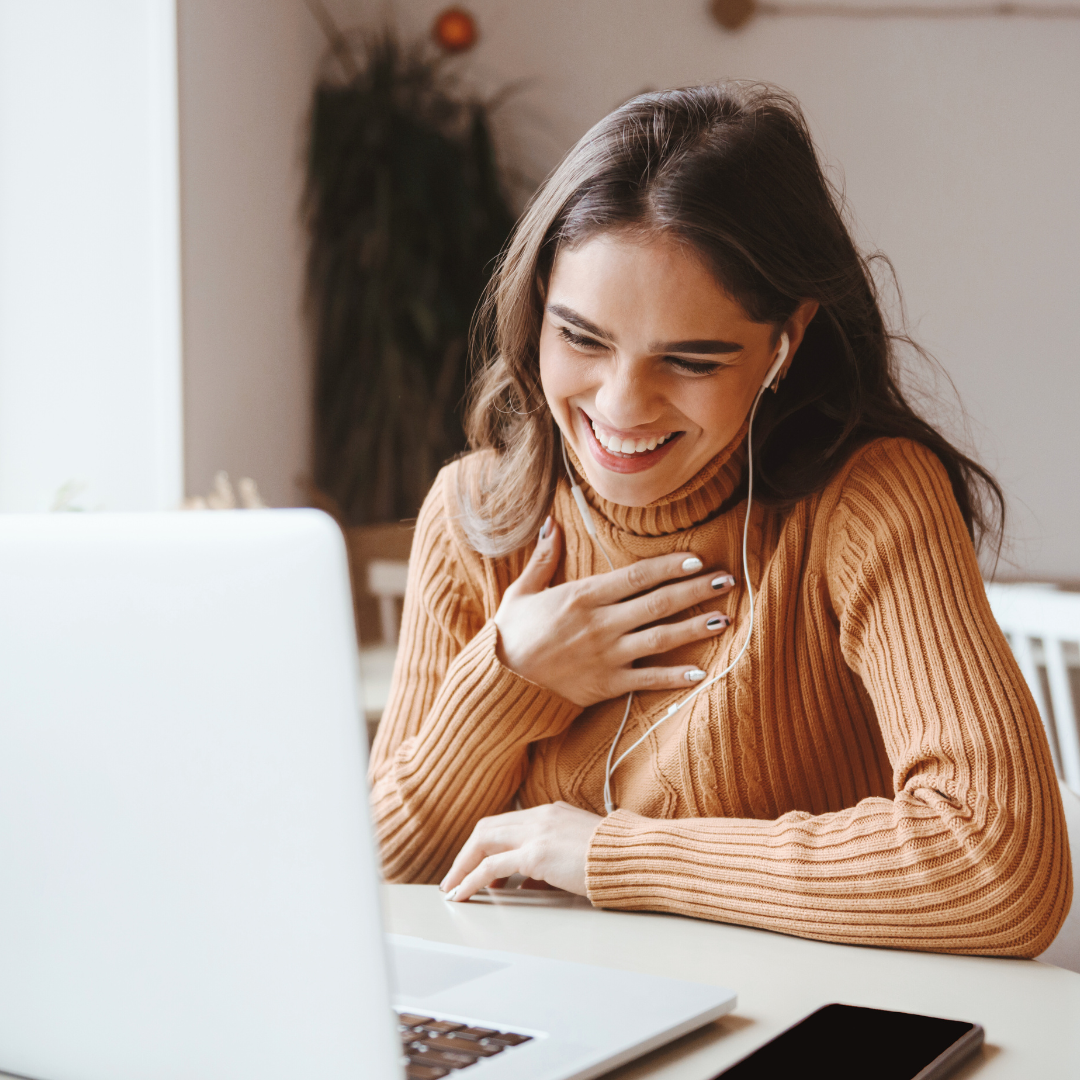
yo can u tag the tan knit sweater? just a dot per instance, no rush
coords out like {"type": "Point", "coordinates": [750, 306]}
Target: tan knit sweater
{"type": "Point", "coordinates": [873, 771]}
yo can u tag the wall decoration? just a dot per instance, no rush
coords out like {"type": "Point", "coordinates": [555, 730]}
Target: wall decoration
{"type": "Point", "coordinates": [735, 14]}
{"type": "Point", "coordinates": [406, 213]}
{"type": "Point", "coordinates": [454, 30]}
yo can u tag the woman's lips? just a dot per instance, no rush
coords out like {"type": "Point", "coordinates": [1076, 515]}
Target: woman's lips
{"type": "Point", "coordinates": [628, 463]}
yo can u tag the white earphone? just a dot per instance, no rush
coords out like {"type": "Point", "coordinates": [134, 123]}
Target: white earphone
{"type": "Point", "coordinates": [770, 382]}
{"type": "Point", "coordinates": [772, 376]}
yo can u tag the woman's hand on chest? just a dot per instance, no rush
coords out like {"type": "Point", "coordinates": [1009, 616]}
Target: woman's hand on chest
{"type": "Point", "coordinates": [582, 639]}
{"type": "Point", "coordinates": [545, 843]}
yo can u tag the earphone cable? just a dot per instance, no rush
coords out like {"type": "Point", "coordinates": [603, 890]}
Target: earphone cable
{"type": "Point", "coordinates": [609, 804]}
{"type": "Point", "coordinates": [584, 508]}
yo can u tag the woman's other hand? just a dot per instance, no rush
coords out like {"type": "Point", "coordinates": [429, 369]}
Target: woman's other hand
{"type": "Point", "coordinates": [545, 843]}
{"type": "Point", "coordinates": [581, 639]}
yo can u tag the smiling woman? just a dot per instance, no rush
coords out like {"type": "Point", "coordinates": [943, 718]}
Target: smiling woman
{"type": "Point", "coordinates": [614, 390]}
{"type": "Point", "coordinates": [725, 651]}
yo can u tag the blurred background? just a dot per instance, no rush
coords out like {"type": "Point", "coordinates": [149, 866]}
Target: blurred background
{"type": "Point", "coordinates": [241, 240]}
{"type": "Point", "coordinates": [159, 324]}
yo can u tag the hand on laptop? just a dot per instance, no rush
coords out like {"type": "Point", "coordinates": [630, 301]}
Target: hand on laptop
{"type": "Point", "coordinates": [547, 843]}
{"type": "Point", "coordinates": [582, 639]}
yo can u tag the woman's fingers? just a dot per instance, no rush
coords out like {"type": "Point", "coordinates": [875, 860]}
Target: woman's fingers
{"type": "Point", "coordinates": [489, 870]}
{"type": "Point", "coordinates": [544, 843]}
{"type": "Point", "coordinates": [490, 836]}
{"type": "Point", "coordinates": [641, 577]}
{"type": "Point", "coordinates": [659, 678]}
{"type": "Point", "coordinates": [669, 600]}
{"type": "Point", "coordinates": [657, 640]}
{"type": "Point", "coordinates": [540, 568]}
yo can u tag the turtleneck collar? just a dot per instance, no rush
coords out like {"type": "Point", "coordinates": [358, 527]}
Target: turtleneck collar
{"type": "Point", "coordinates": [689, 505]}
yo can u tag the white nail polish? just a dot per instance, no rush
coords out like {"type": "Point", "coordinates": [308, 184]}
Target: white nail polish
{"type": "Point", "coordinates": [692, 564]}
{"type": "Point", "coordinates": [694, 676]}
{"type": "Point", "coordinates": [451, 894]}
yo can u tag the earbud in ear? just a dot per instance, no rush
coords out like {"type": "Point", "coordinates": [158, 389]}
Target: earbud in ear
{"type": "Point", "coordinates": [772, 377]}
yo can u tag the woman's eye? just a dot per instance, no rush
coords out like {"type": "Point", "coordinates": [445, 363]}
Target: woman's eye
{"type": "Point", "coordinates": [694, 367]}
{"type": "Point", "coordinates": [577, 341]}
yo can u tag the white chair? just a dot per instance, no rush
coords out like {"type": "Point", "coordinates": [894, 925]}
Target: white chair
{"type": "Point", "coordinates": [386, 582]}
{"type": "Point", "coordinates": [1043, 628]}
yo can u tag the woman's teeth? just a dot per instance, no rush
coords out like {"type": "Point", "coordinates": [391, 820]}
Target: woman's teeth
{"type": "Point", "coordinates": [616, 445]}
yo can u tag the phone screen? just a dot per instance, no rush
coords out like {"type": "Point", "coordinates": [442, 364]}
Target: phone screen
{"type": "Point", "coordinates": [846, 1041]}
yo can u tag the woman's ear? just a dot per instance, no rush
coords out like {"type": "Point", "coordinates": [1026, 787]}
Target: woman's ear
{"type": "Point", "coordinates": [795, 328]}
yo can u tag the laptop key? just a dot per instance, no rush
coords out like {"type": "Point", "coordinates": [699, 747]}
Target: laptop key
{"type": "Point", "coordinates": [508, 1038]}
{"type": "Point", "coordinates": [448, 1044]}
{"type": "Point", "coordinates": [440, 1027]}
{"type": "Point", "coordinates": [422, 1054]}
{"type": "Point", "coordinates": [425, 1072]}
{"type": "Point", "coordinates": [463, 1046]}
{"type": "Point", "coordinates": [476, 1033]}
{"type": "Point", "coordinates": [480, 1048]}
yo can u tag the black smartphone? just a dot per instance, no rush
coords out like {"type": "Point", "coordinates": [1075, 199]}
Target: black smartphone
{"type": "Point", "coordinates": [846, 1042]}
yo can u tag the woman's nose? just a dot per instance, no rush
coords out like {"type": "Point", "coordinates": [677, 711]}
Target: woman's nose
{"type": "Point", "coordinates": [625, 399]}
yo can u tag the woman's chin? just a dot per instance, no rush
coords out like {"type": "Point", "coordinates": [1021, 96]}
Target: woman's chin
{"type": "Point", "coordinates": [633, 489]}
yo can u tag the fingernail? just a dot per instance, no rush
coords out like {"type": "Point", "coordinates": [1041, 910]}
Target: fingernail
{"type": "Point", "coordinates": [545, 532]}
{"type": "Point", "coordinates": [692, 564]}
{"type": "Point", "coordinates": [718, 622]}
{"type": "Point", "coordinates": [452, 894]}
{"type": "Point", "coordinates": [694, 676]}
{"type": "Point", "coordinates": [724, 581]}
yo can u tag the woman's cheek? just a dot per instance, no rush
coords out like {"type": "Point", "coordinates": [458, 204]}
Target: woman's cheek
{"type": "Point", "coordinates": [718, 414]}
{"type": "Point", "coordinates": [560, 379]}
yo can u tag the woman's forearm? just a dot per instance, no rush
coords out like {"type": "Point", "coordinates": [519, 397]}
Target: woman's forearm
{"type": "Point", "coordinates": [465, 762]}
{"type": "Point", "coordinates": [914, 872]}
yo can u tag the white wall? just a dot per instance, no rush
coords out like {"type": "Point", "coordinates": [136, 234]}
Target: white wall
{"type": "Point", "coordinates": [89, 286]}
{"type": "Point", "coordinates": [958, 145]}
{"type": "Point", "coordinates": [246, 72]}
{"type": "Point", "coordinates": [956, 141]}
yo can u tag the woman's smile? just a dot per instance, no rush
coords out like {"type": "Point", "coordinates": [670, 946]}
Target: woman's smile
{"type": "Point", "coordinates": [625, 452]}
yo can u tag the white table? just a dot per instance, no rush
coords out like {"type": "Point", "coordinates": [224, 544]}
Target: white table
{"type": "Point", "coordinates": [1031, 1010]}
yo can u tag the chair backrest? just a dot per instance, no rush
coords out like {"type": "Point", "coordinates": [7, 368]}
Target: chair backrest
{"type": "Point", "coordinates": [1043, 628]}
{"type": "Point", "coordinates": [386, 580]}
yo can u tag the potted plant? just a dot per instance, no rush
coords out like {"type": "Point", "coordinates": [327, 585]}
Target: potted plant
{"type": "Point", "coordinates": [406, 214]}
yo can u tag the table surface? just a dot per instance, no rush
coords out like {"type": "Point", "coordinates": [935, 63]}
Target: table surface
{"type": "Point", "coordinates": [1030, 1010]}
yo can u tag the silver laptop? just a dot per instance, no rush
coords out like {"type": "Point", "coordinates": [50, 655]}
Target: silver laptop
{"type": "Point", "coordinates": [188, 885]}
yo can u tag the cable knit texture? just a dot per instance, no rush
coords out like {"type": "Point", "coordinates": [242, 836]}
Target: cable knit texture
{"type": "Point", "coordinates": [873, 771]}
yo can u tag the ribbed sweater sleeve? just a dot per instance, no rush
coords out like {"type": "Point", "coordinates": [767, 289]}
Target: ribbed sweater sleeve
{"type": "Point", "coordinates": [970, 854]}
{"type": "Point", "coordinates": [453, 741]}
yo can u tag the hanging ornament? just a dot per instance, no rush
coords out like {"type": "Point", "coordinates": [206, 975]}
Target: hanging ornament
{"type": "Point", "coordinates": [733, 14]}
{"type": "Point", "coordinates": [455, 30]}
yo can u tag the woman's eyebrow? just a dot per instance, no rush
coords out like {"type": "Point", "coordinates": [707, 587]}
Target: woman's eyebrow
{"type": "Point", "coordinates": [702, 346]}
{"type": "Point", "coordinates": [709, 346]}
{"type": "Point", "coordinates": [571, 316]}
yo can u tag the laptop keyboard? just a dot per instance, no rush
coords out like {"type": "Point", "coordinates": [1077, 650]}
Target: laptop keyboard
{"type": "Point", "coordinates": [435, 1048]}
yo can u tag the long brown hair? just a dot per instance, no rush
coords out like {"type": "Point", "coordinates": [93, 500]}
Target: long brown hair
{"type": "Point", "coordinates": [732, 171]}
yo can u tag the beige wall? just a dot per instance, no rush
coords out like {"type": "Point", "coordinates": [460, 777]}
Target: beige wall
{"type": "Point", "coordinates": [957, 144]}
{"type": "Point", "coordinates": [246, 69]}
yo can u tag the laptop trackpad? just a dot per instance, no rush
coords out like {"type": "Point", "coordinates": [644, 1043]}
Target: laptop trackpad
{"type": "Point", "coordinates": [416, 972]}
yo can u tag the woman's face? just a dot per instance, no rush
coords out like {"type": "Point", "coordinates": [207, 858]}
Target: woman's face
{"type": "Point", "coordinates": [649, 367]}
